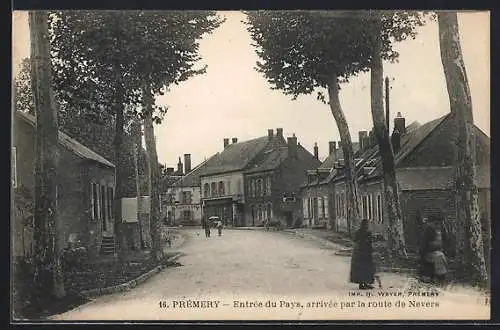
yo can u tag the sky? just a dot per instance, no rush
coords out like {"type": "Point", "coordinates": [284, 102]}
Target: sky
{"type": "Point", "coordinates": [233, 100]}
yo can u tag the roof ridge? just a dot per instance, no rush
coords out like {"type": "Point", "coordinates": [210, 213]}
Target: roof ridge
{"type": "Point", "coordinates": [440, 121]}
{"type": "Point", "coordinates": [68, 139]}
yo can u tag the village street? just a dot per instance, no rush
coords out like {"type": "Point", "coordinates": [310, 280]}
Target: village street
{"type": "Point", "coordinates": [255, 266]}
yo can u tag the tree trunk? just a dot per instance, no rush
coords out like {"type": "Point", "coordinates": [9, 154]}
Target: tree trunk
{"type": "Point", "coordinates": [143, 221]}
{"type": "Point", "coordinates": [119, 226]}
{"type": "Point", "coordinates": [396, 240]}
{"type": "Point", "coordinates": [154, 173]}
{"type": "Point", "coordinates": [353, 217]}
{"type": "Point", "coordinates": [135, 153]}
{"type": "Point", "coordinates": [48, 269]}
{"type": "Point", "coordinates": [470, 253]}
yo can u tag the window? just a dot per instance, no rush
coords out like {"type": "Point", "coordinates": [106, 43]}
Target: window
{"type": "Point", "coordinates": [344, 205]}
{"type": "Point", "coordinates": [213, 192]}
{"type": "Point", "coordinates": [262, 191]}
{"type": "Point", "coordinates": [186, 197]}
{"type": "Point", "coordinates": [186, 215]}
{"type": "Point", "coordinates": [229, 187]}
{"type": "Point", "coordinates": [221, 189]}
{"type": "Point", "coordinates": [304, 207]}
{"type": "Point", "coordinates": [269, 211]}
{"type": "Point", "coordinates": [371, 213]}
{"type": "Point", "coordinates": [268, 186]}
{"type": "Point", "coordinates": [379, 209]}
{"type": "Point", "coordinates": [14, 167]}
{"type": "Point", "coordinates": [94, 197]}
{"type": "Point", "coordinates": [325, 201]}
{"type": "Point", "coordinates": [252, 188]}
{"type": "Point", "coordinates": [104, 205]}
{"type": "Point", "coordinates": [364, 207]}
{"type": "Point", "coordinates": [323, 213]}
{"type": "Point", "coordinates": [206, 190]}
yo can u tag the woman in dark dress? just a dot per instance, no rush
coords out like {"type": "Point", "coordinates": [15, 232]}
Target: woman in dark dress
{"type": "Point", "coordinates": [362, 265]}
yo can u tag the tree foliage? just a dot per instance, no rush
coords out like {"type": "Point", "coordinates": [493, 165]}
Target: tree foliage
{"type": "Point", "coordinates": [97, 52]}
{"type": "Point", "coordinates": [300, 50]}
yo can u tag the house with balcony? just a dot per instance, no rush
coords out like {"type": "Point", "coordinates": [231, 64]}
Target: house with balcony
{"type": "Point", "coordinates": [222, 180]}
{"type": "Point", "coordinates": [273, 180]}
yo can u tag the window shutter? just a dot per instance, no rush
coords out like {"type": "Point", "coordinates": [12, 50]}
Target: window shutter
{"type": "Point", "coordinates": [326, 206]}
{"type": "Point", "coordinates": [92, 200]}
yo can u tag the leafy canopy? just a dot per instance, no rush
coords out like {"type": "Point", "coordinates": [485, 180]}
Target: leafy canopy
{"type": "Point", "coordinates": [302, 50]}
{"type": "Point", "coordinates": [101, 58]}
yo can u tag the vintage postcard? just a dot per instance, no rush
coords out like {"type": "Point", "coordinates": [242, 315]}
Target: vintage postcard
{"type": "Point", "coordinates": [250, 165]}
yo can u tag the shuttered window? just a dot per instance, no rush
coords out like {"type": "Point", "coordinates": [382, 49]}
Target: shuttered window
{"type": "Point", "coordinates": [94, 197]}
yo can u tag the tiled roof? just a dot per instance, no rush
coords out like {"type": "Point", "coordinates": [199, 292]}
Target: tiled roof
{"type": "Point", "coordinates": [235, 156]}
{"type": "Point", "coordinates": [70, 143]}
{"type": "Point", "coordinates": [272, 158]}
{"type": "Point", "coordinates": [331, 159]}
{"type": "Point", "coordinates": [193, 179]}
{"type": "Point", "coordinates": [411, 139]}
{"type": "Point", "coordinates": [422, 178]}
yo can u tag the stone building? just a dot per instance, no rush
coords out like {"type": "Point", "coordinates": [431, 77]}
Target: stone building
{"type": "Point", "coordinates": [85, 190]}
{"type": "Point", "coordinates": [273, 181]}
{"type": "Point", "coordinates": [317, 195]}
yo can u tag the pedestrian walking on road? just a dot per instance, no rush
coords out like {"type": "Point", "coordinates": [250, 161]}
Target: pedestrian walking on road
{"type": "Point", "coordinates": [219, 227]}
{"type": "Point", "coordinates": [362, 264]}
{"type": "Point", "coordinates": [206, 226]}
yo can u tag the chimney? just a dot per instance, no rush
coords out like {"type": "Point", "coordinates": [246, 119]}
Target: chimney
{"type": "Point", "coordinates": [170, 171]}
{"type": "Point", "coordinates": [399, 123]}
{"type": "Point", "coordinates": [279, 133]}
{"type": "Point", "coordinates": [187, 163]}
{"type": "Point", "coordinates": [226, 142]}
{"type": "Point", "coordinates": [270, 134]}
{"type": "Point", "coordinates": [292, 146]}
{"type": "Point", "coordinates": [235, 140]}
{"type": "Point", "coordinates": [396, 141]}
{"type": "Point", "coordinates": [316, 152]}
{"type": "Point", "coordinates": [332, 147]}
{"type": "Point", "coordinates": [362, 139]}
{"type": "Point", "coordinates": [179, 167]}
{"type": "Point", "coordinates": [371, 138]}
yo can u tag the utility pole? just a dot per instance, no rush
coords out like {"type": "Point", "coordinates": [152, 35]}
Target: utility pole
{"type": "Point", "coordinates": [387, 117]}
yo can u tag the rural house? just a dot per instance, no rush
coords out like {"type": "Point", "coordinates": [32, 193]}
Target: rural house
{"type": "Point", "coordinates": [85, 193]}
{"type": "Point", "coordinates": [317, 195]}
{"type": "Point", "coordinates": [424, 157]}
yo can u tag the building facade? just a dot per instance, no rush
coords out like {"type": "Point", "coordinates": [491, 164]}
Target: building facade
{"type": "Point", "coordinates": [86, 186]}
{"type": "Point", "coordinates": [182, 199]}
{"type": "Point", "coordinates": [222, 180]}
{"type": "Point", "coordinates": [318, 196]}
{"type": "Point", "coordinates": [424, 156]}
{"type": "Point", "coordinates": [273, 182]}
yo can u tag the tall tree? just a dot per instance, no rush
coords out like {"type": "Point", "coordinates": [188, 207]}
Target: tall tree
{"type": "Point", "coordinates": [303, 51]}
{"type": "Point", "coordinates": [469, 239]}
{"type": "Point", "coordinates": [23, 96]}
{"type": "Point", "coordinates": [108, 56]}
{"type": "Point", "coordinates": [48, 270]}
{"type": "Point", "coordinates": [391, 26]}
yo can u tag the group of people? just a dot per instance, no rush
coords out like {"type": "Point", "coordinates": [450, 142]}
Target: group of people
{"type": "Point", "coordinates": [433, 262]}
{"type": "Point", "coordinates": [207, 225]}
